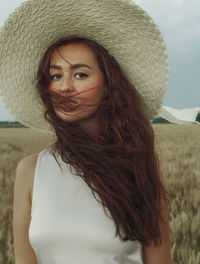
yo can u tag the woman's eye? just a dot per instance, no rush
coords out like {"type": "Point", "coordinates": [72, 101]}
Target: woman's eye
{"type": "Point", "coordinates": [55, 76]}
{"type": "Point", "coordinates": [82, 75]}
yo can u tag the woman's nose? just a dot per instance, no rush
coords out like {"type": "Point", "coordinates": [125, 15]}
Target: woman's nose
{"type": "Point", "coordinates": [67, 85]}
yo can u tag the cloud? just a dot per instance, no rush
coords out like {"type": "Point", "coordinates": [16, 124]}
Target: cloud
{"type": "Point", "coordinates": [7, 7]}
{"type": "Point", "coordinates": [178, 20]}
{"type": "Point", "coordinates": [4, 115]}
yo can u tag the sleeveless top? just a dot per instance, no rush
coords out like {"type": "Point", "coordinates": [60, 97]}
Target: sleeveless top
{"type": "Point", "coordinates": [68, 225]}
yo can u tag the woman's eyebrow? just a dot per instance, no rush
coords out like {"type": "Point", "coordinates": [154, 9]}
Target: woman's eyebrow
{"type": "Point", "coordinates": [72, 67]}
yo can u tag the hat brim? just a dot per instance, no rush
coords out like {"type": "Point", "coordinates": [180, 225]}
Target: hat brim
{"type": "Point", "coordinates": [122, 27]}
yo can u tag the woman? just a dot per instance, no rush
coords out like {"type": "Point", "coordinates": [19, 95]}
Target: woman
{"type": "Point", "coordinates": [97, 195]}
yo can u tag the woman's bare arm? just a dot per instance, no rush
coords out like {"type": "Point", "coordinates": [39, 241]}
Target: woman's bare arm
{"type": "Point", "coordinates": [159, 254]}
{"type": "Point", "coordinates": [24, 254]}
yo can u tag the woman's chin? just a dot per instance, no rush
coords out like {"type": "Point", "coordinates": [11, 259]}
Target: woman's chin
{"type": "Point", "coordinates": [69, 116]}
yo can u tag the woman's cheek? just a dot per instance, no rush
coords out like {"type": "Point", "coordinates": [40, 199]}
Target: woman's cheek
{"type": "Point", "coordinates": [95, 90]}
{"type": "Point", "coordinates": [51, 87]}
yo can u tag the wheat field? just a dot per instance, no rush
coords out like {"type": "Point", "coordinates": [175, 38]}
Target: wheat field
{"type": "Point", "coordinates": [178, 147]}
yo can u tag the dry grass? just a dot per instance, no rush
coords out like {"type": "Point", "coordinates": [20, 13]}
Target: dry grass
{"type": "Point", "coordinates": [179, 151]}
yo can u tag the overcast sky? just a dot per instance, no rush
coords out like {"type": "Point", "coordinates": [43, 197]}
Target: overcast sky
{"type": "Point", "coordinates": [179, 22]}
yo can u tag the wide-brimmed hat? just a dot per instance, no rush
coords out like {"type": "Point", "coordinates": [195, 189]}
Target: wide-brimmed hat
{"type": "Point", "coordinates": [122, 27]}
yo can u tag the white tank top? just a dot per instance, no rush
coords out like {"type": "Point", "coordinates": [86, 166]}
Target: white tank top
{"type": "Point", "coordinates": [68, 225]}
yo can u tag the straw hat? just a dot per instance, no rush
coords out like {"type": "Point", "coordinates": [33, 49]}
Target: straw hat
{"type": "Point", "coordinates": [120, 26]}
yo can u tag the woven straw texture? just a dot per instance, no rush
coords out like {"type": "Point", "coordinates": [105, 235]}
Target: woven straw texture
{"type": "Point", "coordinates": [121, 26]}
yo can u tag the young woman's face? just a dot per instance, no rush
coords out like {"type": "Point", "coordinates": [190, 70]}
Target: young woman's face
{"type": "Point", "coordinates": [74, 72]}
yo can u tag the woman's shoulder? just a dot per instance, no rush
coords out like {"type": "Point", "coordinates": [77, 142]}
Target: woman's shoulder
{"type": "Point", "coordinates": [26, 171]}
{"type": "Point", "coordinates": [27, 164]}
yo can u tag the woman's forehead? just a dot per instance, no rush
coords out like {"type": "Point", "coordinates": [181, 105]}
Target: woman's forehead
{"type": "Point", "coordinates": [73, 53]}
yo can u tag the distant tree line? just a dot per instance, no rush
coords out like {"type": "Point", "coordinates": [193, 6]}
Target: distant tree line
{"type": "Point", "coordinates": [5, 124]}
{"type": "Point", "coordinates": [157, 120]}
{"type": "Point", "coordinates": [160, 120]}
{"type": "Point", "coordinates": [198, 117]}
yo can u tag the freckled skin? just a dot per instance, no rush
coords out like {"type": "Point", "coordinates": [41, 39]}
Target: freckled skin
{"type": "Point", "coordinates": [84, 84]}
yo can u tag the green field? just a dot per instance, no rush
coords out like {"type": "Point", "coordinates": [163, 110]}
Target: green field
{"type": "Point", "coordinates": [179, 151]}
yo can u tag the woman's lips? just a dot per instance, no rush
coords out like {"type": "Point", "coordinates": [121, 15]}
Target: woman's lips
{"type": "Point", "coordinates": [69, 104]}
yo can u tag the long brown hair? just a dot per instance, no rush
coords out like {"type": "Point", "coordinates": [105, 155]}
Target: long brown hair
{"type": "Point", "coordinates": [120, 164]}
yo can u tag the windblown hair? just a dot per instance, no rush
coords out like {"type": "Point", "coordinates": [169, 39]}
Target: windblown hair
{"type": "Point", "coordinates": [120, 163]}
